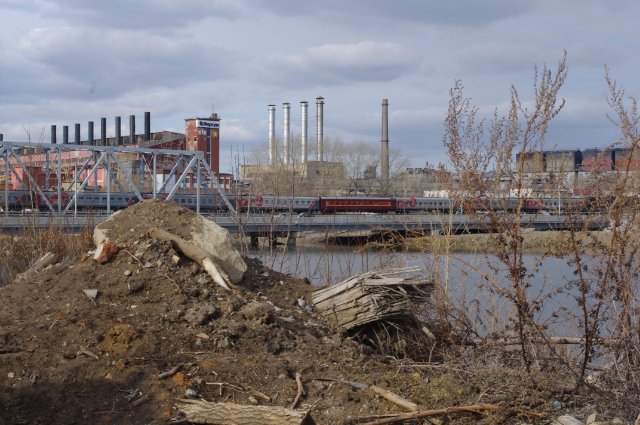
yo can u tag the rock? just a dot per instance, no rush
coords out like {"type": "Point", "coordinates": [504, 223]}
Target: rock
{"type": "Point", "coordinates": [202, 335]}
{"type": "Point", "coordinates": [591, 420]}
{"type": "Point", "coordinates": [566, 420]}
{"type": "Point", "coordinates": [222, 343]}
{"type": "Point", "coordinates": [127, 272]}
{"type": "Point", "coordinates": [175, 259]}
{"type": "Point", "coordinates": [273, 347]}
{"type": "Point", "coordinates": [201, 314]}
{"type": "Point", "coordinates": [203, 280]}
{"type": "Point", "coordinates": [191, 393]}
{"type": "Point", "coordinates": [105, 251]}
{"type": "Point", "coordinates": [135, 286]}
{"type": "Point", "coordinates": [91, 293]}
{"type": "Point", "coordinates": [258, 311]}
{"type": "Point", "coordinates": [217, 241]}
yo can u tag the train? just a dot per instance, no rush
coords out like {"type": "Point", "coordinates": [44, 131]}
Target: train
{"type": "Point", "coordinates": [21, 200]}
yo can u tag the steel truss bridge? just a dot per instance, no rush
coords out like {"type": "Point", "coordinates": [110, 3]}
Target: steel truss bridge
{"type": "Point", "coordinates": [125, 170]}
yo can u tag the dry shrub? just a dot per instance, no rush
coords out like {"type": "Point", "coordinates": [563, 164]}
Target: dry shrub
{"type": "Point", "coordinates": [20, 251]}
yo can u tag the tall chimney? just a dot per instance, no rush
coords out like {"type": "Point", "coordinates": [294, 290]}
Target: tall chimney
{"type": "Point", "coordinates": [384, 154]}
{"type": "Point", "coordinates": [54, 134]}
{"type": "Point", "coordinates": [118, 135]}
{"type": "Point", "coordinates": [272, 135]}
{"type": "Point", "coordinates": [1, 137]}
{"type": "Point", "coordinates": [132, 129]}
{"type": "Point", "coordinates": [77, 135]}
{"type": "Point", "coordinates": [103, 131]}
{"type": "Point", "coordinates": [319, 126]}
{"type": "Point", "coordinates": [65, 134]}
{"type": "Point", "coordinates": [147, 126]}
{"type": "Point", "coordinates": [90, 140]}
{"type": "Point", "coordinates": [303, 127]}
{"type": "Point", "coordinates": [286, 113]}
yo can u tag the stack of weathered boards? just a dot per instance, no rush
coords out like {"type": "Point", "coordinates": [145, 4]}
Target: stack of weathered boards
{"type": "Point", "coordinates": [371, 297]}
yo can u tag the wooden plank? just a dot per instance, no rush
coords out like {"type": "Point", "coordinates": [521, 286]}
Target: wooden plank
{"type": "Point", "coordinates": [202, 412]}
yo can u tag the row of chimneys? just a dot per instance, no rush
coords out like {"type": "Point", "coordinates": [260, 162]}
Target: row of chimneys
{"type": "Point", "coordinates": [119, 140]}
{"type": "Point", "coordinates": [286, 108]}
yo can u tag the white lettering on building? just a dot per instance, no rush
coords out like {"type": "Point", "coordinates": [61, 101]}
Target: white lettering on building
{"type": "Point", "coordinates": [207, 124]}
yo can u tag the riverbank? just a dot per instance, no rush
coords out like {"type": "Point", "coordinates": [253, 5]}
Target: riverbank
{"type": "Point", "coordinates": [554, 243]}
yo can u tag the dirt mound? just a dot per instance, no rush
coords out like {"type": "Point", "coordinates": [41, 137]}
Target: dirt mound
{"type": "Point", "coordinates": [71, 354]}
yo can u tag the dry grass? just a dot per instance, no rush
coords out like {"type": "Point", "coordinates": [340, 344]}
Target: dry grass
{"type": "Point", "coordinates": [19, 252]}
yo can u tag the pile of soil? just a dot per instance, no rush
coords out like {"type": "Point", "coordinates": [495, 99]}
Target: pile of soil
{"type": "Point", "coordinates": [70, 356]}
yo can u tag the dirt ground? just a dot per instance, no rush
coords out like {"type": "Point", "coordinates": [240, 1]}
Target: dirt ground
{"type": "Point", "coordinates": [66, 357]}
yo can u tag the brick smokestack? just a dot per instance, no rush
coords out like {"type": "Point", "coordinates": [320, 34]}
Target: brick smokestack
{"type": "Point", "coordinates": [304, 113]}
{"type": "Point", "coordinates": [319, 128]}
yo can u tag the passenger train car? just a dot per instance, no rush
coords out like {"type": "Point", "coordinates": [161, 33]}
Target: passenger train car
{"type": "Point", "coordinates": [18, 200]}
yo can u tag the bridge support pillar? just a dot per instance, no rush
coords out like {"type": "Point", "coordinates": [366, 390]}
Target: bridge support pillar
{"type": "Point", "coordinates": [291, 239]}
{"type": "Point", "coordinates": [435, 232]}
{"type": "Point", "coordinates": [254, 240]}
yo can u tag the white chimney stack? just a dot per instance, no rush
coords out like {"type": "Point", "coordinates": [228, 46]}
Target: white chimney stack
{"type": "Point", "coordinates": [272, 134]}
{"type": "Point", "coordinates": [286, 108]}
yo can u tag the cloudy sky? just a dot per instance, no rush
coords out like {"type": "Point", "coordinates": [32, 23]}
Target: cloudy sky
{"type": "Point", "coordinates": [74, 61]}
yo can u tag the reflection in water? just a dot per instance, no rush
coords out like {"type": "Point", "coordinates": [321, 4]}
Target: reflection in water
{"type": "Point", "coordinates": [473, 281]}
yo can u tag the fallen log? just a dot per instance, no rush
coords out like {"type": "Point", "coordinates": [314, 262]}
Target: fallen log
{"type": "Point", "coordinates": [194, 253]}
{"type": "Point", "coordinates": [388, 395]}
{"type": "Point", "coordinates": [46, 260]}
{"type": "Point", "coordinates": [202, 412]}
{"type": "Point", "coordinates": [476, 409]}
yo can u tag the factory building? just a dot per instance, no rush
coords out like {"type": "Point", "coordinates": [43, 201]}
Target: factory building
{"type": "Point", "coordinates": [201, 134]}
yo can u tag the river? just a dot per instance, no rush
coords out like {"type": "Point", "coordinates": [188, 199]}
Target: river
{"type": "Point", "coordinates": [470, 279]}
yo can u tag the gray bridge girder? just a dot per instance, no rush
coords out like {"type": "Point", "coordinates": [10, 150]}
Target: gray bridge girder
{"type": "Point", "coordinates": [263, 224]}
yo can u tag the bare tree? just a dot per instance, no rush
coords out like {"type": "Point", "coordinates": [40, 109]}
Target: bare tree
{"type": "Point", "coordinates": [481, 152]}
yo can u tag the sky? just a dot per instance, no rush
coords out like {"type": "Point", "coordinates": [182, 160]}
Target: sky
{"type": "Point", "coordinates": [73, 61]}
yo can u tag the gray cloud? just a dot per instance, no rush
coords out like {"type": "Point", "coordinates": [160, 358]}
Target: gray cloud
{"type": "Point", "coordinates": [453, 12]}
{"type": "Point", "coordinates": [80, 62]}
{"type": "Point", "coordinates": [156, 15]}
{"type": "Point", "coordinates": [341, 64]}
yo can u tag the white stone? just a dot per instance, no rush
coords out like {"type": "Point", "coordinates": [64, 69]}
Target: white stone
{"type": "Point", "coordinates": [567, 420]}
{"type": "Point", "coordinates": [91, 293]}
{"type": "Point", "coordinates": [217, 241]}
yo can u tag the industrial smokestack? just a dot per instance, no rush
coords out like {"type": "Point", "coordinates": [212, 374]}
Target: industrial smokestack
{"type": "Point", "coordinates": [384, 154]}
{"type": "Point", "coordinates": [132, 129]}
{"type": "Point", "coordinates": [147, 126]}
{"type": "Point", "coordinates": [1, 137]}
{"type": "Point", "coordinates": [118, 135]}
{"type": "Point", "coordinates": [303, 127]}
{"type": "Point", "coordinates": [90, 140]}
{"type": "Point", "coordinates": [54, 135]}
{"type": "Point", "coordinates": [319, 129]}
{"type": "Point", "coordinates": [65, 134]}
{"type": "Point", "coordinates": [103, 132]}
{"type": "Point", "coordinates": [77, 135]}
{"type": "Point", "coordinates": [272, 135]}
{"type": "Point", "coordinates": [286, 113]}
